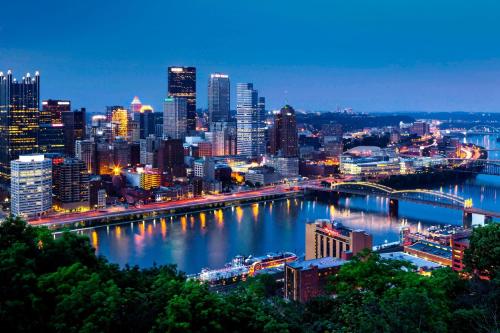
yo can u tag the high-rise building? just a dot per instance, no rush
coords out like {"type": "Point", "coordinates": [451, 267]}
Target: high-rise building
{"type": "Point", "coordinates": [31, 185]}
{"type": "Point", "coordinates": [284, 136]}
{"type": "Point", "coordinates": [250, 121]}
{"type": "Point", "coordinates": [182, 83]}
{"type": "Point", "coordinates": [218, 98]}
{"type": "Point", "coordinates": [175, 117]}
{"type": "Point", "coordinates": [223, 138]}
{"type": "Point", "coordinates": [146, 119]}
{"type": "Point", "coordinates": [19, 119]}
{"type": "Point", "coordinates": [51, 135]}
{"type": "Point", "coordinates": [119, 121]}
{"type": "Point", "coordinates": [171, 157]}
{"type": "Point", "coordinates": [71, 184]}
{"type": "Point", "coordinates": [135, 105]}
{"type": "Point", "coordinates": [74, 129]}
{"type": "Point", "coordinates": [121, 153]}
{"type": "Point", "coordinates": [85, 150]}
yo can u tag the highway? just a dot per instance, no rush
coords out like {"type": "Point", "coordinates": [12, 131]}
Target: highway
{"type": "Point", "coordinates": [193, 203]}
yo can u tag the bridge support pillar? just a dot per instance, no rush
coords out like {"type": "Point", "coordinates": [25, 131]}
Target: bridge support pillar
{"type": "Point", "coordinates": [393, 207]}
{"type": "Point", "coordinates": [467, 220]}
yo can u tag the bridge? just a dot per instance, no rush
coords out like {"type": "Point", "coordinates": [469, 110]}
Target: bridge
{"type": "Point", "coordinates": [488, 167]}
{"type": "Point", "coordinates": [483, 130]}
{"type": "Point", "coordinates": [420, 196]}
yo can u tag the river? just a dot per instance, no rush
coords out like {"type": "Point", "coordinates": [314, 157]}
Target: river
{"type": "Point", "coordinates": [212, 238]}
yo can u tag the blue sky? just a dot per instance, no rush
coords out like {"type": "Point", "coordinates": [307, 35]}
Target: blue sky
{"type": "Point", "coordinates": [384, 55]}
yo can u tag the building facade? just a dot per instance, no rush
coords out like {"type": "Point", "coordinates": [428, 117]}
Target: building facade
{"type": "Point", "coordinates": [71, 184]}
{"type": "Point", "coordinates": [31, 185]}
{"type": "Point", "coordinates": [218, 98]}
{"type": "Point", "coordinates": [284, 137]}
{"type": "Point", "coordinates": [182, 84]}
{"type": "Point", "coordinates": [19, 119]}
{"type": "Point", "coordinates": [250, 121]}
{"type": "Point", "coordinates": [330, 239]}
{"type": "Point", "coordinates": [175, 118]}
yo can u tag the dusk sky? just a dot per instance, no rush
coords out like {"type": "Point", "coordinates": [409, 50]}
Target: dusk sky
{"type": "Point", "coordinates": [386, 55]}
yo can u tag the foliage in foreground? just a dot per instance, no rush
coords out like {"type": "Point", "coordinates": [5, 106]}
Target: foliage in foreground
{"type": "Point", "coordinates": [59, 285]}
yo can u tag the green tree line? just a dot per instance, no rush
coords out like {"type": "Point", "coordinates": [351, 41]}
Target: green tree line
{"type": "Point", "coordinates": [58, 284]}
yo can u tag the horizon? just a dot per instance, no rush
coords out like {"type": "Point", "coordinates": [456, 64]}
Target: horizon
{"type": "Point", "coordinates": [383, 57]}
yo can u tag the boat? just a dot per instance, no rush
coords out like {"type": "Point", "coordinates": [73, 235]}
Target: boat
{"type": "Point", "coordinates": [240, 268]}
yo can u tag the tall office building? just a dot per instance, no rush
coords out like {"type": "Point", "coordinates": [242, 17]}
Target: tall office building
{"type": "Point", "coordinates": [171, 158]}
{"type": "Point", "coordinates": [19, 119]}
{"type": "Point", "coordinates": [71, 184]}
{"type": "Point", "coordinates": [74, 129]}
{"type": "Point", "coordinates": [250, 121]}
{"type": "Point", "coordinates": [85, 150]}
{"type": "Point", "coordinates": [135, 105]}
{"type": "Point", "coordinates": [31, 185]}
{"type": "Point", "coordinates": [146, 119]}
{"type": "Point", "coordinates": [175, 117]}
{"type": "Point", "coordinates": [284, 136]}
{"type": "Point", "coordinates": [119, 122]}
{"type": "Point", "coordinates": [182, 83]}
{"type": "Point", "coordinates": [218, 98]}
{"type": "Point", "coordinates": [51, 136]}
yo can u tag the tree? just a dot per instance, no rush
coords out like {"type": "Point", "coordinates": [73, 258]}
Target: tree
{"type": "Point", "coordinates": [483, 255]}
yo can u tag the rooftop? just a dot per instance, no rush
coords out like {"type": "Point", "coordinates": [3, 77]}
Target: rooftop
{"type": "Point", "coordinates": [419, 262]}
{"type": "Point", "coordinates": [321, 263]}
{"type": "Point", "coordinates": [432, 248]}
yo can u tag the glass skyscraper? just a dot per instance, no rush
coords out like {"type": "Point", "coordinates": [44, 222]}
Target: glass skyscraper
{"type": "Point", "coordinates": [218, 97]}
{"type": "Point", "coordinates": [174, 118]}
{"type": "Point", "coordinates": [182, 83]}
{"type": "Point", "coordinates": [250, 121]}
{"type": "Point", "coordinates": [19, 119]}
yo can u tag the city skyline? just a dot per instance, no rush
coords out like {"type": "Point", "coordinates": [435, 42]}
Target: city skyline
{"type": "Point", "coordinates": [375, 57]}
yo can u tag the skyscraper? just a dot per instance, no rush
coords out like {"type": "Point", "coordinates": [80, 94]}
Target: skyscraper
{"type": "Point", "coordinates": [175, 117]}
{"type": "Point", "coordinates": [74, 129]}
{"type": "Point", "coordinates": [218, 97]}
{"type": "Point", "coordinates": [146, 119]}
{"type": "Point", "coordinates": [249, 121]}
{"type": "Point", "coordinates": [51, 136]}
{"type": "Point", "coordinates": [182, 83]}
{"type": "Point", "coordinates": [135, 105]}
{"type": "Point", "coordinates": [284, 137]}
{"type": "Point", "coordinates": [71, 184]}
{"type": "Point", "coordinates": [19, 119]}
{"type": "Point", "coordinates": [31, 185]}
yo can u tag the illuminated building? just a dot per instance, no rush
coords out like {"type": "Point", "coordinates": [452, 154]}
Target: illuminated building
{"type": "Point", "coordinates": [420, 128]}
{"type": "Point", "coordinates": [250, 121]}
{"type": "Point", "coordinates": [286, 166]}
{"type": "Point", "coordinates": [369, 160]}
{"type": "Point", "coordinates": [262, 176]}
{"type": "Point", "coordinates": [71, 184]}
{"type": "Point", "coordinates": [182, 83]}
{"type": "Point", "coordinates": [205, 149]}
{"type": "Point", "coordinates": [19, 119]}
{"type": "Point", "coordinates": [51, 135]}
{"type": "Point", "coordinates": [431, 251]}
{"type": "Point", "coordinates": [31, 185]}
{"type": "Point", "coordinates": [331, 239]}
{"type": "Point", "coordinates": [218, 98]}
{"type": "Point", "coordinates": [307, 279]}
{"type": "Point", "coordinates": [175, 118]}
{"type": "Point", "coordinates": [52, 110]}
{"type": "Point", "coordinates": [223, 138]}
{"type": "Point", "coordinates": [135, 105]}
{"type": "Point", "coordinates": [204, 168]}
{"type": "Point", "coordinates": [284, 137]}
{"type": "Point", "coordinates": [74, 129]}
{"type": "Point", "coordinates": [146, 119]}
{"type": "Point", "coordinates": [85, 150]}
{"type": "Point", "coordinates": [145, 178]}
{"type": "Point", "coordinates": [119, 121]}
